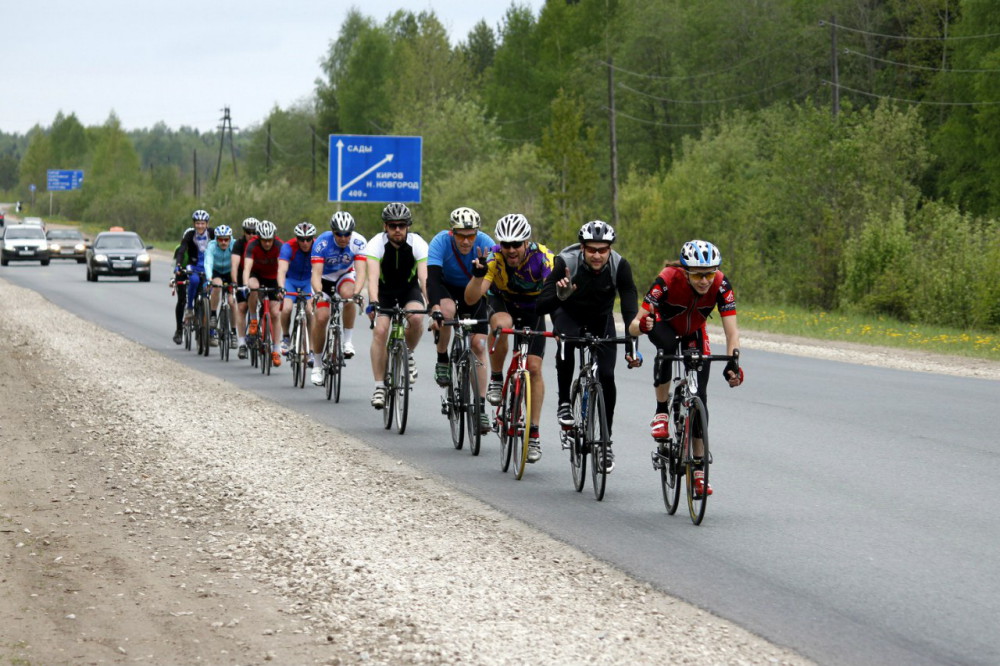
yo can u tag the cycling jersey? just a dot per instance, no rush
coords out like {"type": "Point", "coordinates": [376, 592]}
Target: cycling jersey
{"type": "Point", "coordinates": [519, 286]}
{"type": "Point", "coordinates": [456, 268]}
{"type": "Point", "coordinates": [594, 297]}
{"type": "Point", "coordinates": [337, 260]}
{"type": "Point", "coordinates": [299, 262]}
{"type": "Point", "coordinates": [398, 264]}
{"type": "Point", "coordinates": [674, 301]}
{"type": "Point", "coordinates": [194, 246]}
{"type": "Point", "coordinates": [218, 260]}
{"type": "Point", "coordinates": [265, 262]}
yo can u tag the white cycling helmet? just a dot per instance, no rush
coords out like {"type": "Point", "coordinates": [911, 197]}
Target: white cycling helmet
{"type": "Point", "coordinates": [597, 231]}
{"type": "Point", "coordinates": [464, 218]}
{"type": "Point", "coordinates": [342, 222]}
{"type": "Point", "coordinates": [223, 231]}
{"type": "Point", "coordinates": [250, 225]}
{"type": "Point", "coordinates": [513, 228]}
{"type": "Point", "coordinates": [266, 229]}
{"type": "Point", "coordinates": [305, 230]}
{"type": "Point", "coordinates": [700, 254]}
{"type": "Point", "coordinates": [200, 216]}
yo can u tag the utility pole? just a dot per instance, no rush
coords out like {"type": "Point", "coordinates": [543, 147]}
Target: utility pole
{"type": "Point", "coordinates": [312, 183]}
{"type": "Point", "coordinates": [613, 137]}
{"type": "Point", "coordinates": [267, 151]}
{"type": "Point", "coordinates": [227, 124]}
{"type": "Point", "coordinates": [194, 186]}
{"type": "Point", "coordinates": [834, 68]}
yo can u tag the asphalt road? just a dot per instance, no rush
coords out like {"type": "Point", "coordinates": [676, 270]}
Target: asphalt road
{"type": "Point", "coordinates": [854, 516]}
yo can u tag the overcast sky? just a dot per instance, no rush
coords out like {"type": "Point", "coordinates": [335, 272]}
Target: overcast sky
{"type": "Point", "coordinates": [182, 61]}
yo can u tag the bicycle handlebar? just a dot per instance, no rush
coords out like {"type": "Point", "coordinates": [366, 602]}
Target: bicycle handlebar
{"type": "Point", "coordinates": [527, 332]}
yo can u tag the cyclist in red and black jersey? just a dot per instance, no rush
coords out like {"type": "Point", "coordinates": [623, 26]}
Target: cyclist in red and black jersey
{"type": "Point", "coordinates": [675, 309]}
{"type": "Point", "coordinates": [260, 269]}
{"type": "Point", "coordinates": [239, 248]}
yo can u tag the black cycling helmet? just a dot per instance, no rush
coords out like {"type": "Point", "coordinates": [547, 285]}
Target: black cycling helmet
{"type": "Point", "coordinates": [397, 212]}
{"type": "Point", "coordinates": [597, 231]}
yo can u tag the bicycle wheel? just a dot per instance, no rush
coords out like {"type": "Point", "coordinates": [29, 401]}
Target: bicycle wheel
{"type": "Point", "coordinates": [696, 415]}
{"type": "Point", "coordinates": [198, 332]}
{"type": "Point", "coordinates": [521, 422]}
{"type": "Point", "coordinates": [302, 350]}
{"type": "Point", "coordinates": [223, 331]}
{"type": "Point", "coordinates": [293, 353]}
{"type": "Point", "coordinates": [188, 329]}
{"type": "Point", "coordinates": [667, 457]}
{"type": "Point", "coordinates": [471, 406]}
{"type": "Point", "coordinates": [390, 387]}
{"type": "Point", "coordinates": [577, 448]}
{"type": "Point", "coordinates": [597, 437]}
{"type": "Point", "coordinates": [206, 336]}
{"type": "Point", "coordinates": [503, 423]}
{"type": "Point", "coordinates": [265, 344]}
{"type": "Point", "coordinates": [402, 399]}
{"type": "Point", "coordinates": [454, 403]}
{"type": "Point", "coordinates": [332, 364]}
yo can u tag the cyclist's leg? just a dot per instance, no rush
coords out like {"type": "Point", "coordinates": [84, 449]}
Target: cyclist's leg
{"type": "Point", "coordinates": [241, 316]}
{"type": "Point", "coordinates": [194, 282]}
{"type": "Point", "coordinates": [698, 445]}
{"type": "Point", "coordinates": [252, 300]}
{"type": "Point", "coordinates": [566, 361]}
{"type": "Point", "coordinates": [502, 319]}
{"type": "Point", "coordinates": [321, 320]}
{"type": "Point", "coordinates": [607, 359]}
{"type": "Point", "coordinates": [379, 336]}
{"type": "Point", "coordinates": [414, 301]}
{"type": "Point", "coordinates": [346, 286]}
{"type": "Point", "coordinates": [478, 339]}
{"type": "Point", "coordinates": [213, 298]}
{"type": "Point", "coordinates": [442, 367]}
{"type": "Point", "coordinates": [181, 302]}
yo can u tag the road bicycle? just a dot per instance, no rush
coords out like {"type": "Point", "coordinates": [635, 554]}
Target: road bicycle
{"type": "Point", "coordinates": [299, 347]}
{"type": "Point", "coordinates": [674, 455]}
{"type": "Point", "coordinates": [187, 325]}
{"type": "Point", "coordinates": [461, 402]}
{"type": "Point", "coordinates": [332, 358]}
{"type": "Point", "coordinates": [262, 340]}
{"type": "Point", "coordinates": [397, 374]}
{"type": "Point", "coordinates": [512, 419]}
{"type": "Point", "coordinates": [589, 432]}
{"type": "Point", "coordinates": [200, 321]}
{"type": "Point", "coordinates": [224, 321]}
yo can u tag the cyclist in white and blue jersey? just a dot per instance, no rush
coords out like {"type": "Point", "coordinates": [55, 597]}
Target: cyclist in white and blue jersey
{"type": "Point", "coordinates": [449, 270]}
{"type": "Point", "coordinates": [338, 267]}
{"type": "Point", "coordinates": [295, 275]}
{"type": "Point", "coordinates": [218, 270]}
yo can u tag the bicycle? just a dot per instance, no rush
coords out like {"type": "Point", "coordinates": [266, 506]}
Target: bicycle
{"type": "Point", "coordinates": [461, 402]}
{"type": "Point", "coordinates": [187, 326]}
{"type": "Point", "coordinates": [397, 376]}
{"type": "Point", "coordinates": [223, 323]}
{"type": "Point", "coordinates": [263, 338]}
{"type": "Point", "coordinates": [589, 432]}
{"type": "Point", "coordinates": [200, 321]}
{"type": "Point", "coordinates": [298, 350]}
{"type": "Point", "coordinates": [333, 347]}
{"type": "Point", "coordinates": [674, 456]}
{"type": "Point", "coordinates": [512, 420]}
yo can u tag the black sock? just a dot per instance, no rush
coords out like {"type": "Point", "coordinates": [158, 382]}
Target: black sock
{"type": "Point", "coordinates": [496, 376]}
{"type": "Point", "coordinates": [442, 357]}
{"type": "Point", "coordinates": [662, 407]}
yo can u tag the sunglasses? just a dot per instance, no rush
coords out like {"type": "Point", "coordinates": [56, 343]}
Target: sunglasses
{"type": "Point", "coordinates": [511, 245]}
{"type": "Point", "coordinates": [706, 275]}
{"type": "Point", "coordinates": [596, 250]}
{"type": "Point", "coordinates": [465, 237]}
{"type": "Point", "coordinates": [396, 225]}
{"type": "Point", "coordinates": [340, 235]}
{"type": "Point", "coordinates": [222, 239]}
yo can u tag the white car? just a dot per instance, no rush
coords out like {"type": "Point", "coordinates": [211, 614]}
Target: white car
{"type": "Point", "coordinates": [24, 242]}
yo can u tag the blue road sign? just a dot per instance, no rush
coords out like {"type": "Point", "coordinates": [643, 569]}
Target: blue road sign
{"type": "Point", "coordinates": [60, 179]}
{"type": "Point", "coordinates": [375, 168]}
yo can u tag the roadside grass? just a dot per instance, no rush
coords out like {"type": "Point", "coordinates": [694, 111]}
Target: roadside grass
{"type": "Point", "coordinates": [870, 330]}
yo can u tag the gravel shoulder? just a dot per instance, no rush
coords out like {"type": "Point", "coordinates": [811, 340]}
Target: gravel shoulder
{"type": "Point", "coordinates": [134, 532]}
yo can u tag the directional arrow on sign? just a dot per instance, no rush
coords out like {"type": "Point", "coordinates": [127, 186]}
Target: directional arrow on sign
{"type": "Point", "coordinates": [340, 170]}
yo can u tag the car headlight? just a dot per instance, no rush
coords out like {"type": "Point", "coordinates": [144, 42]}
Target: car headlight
{"type": "Point", "coordinates": [43, 247]}
{"type": "Point", "coordinates": [142, 259]}
{"type": "Point", "coordinates": [80, 247]}
{"type": "Point", "coordinates": [101, 258]}
{"type": "Point", "coordinates": [55, 247]}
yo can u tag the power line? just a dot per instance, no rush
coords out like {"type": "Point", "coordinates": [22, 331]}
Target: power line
{"type": "Point", "coordinates": [907, 37]}
{"type": "Point", "coordinates": [910, 101]}
{"type": "Point", "coordinates": [712, 101]}
{"type": "Point", "coordinates": [920, 67]}
{"type": "Point", "coordinates": [702, 75]}
{"type": "Point", "coordinates": [653, 122]}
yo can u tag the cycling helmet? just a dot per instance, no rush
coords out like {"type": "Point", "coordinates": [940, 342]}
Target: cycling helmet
{"type": "Point", "coordinates": [305, 230]}
{"type": "Point", "coordinates": [342, 222]}
{"type": "Point", "coordinates": [223, 231]}
{"type": "Point", "coordinates": [597, 231]}
{"type": "Point", "coordinates": [266, 229]}
{"type": "Point", "coordinates": [397, 212]}
{"type": "Point", "coordinates": [464, 218]}
{"type": "Point", "coordinates": [700, 254]}
{"type": "Point", "coordinates": [513, 228]}
{"type": "Point", "coordinates": [200, 215]}
{"type": "Point", "coordinates": [250, 225]}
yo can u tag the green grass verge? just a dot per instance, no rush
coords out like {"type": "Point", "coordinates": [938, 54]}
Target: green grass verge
{"type": "Point", "coordinates": [870, 330]}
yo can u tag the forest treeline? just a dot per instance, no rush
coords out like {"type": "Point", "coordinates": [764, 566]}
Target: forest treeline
{"type": "Point", "coordinates": [841, 153]}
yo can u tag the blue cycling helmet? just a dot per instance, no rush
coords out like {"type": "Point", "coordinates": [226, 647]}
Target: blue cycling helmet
{"type": "Point", "coordinates": [700, 254]}
{"type": "Point", "coordinates": [200, 216]}
{"type": "Point", "coordinates": [223, 231]}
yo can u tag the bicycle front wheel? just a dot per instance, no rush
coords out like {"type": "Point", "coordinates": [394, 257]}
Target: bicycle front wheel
{"type": "Point", "coordinates": [697, 415]}
{"type": "Point", "coordinates": [454, 404]}
{"type": "Point", "coordinates": [223, 331]}
{"type": "Point", "coordinates": [667, 457]}
{"type": "Point", "coordinates": [187, 334]}
{"type": "Point", "coordinates": [521, 422]}
{"type": "Point", "coordinates": [206, 336]}
{"type": "Point", "coordinates": [504, 423]}
{"type": "Point", "coordinates": [334, 364]}
{"type": "Point", "coordinates": [577, 447]}
{"type": "Point", "coordinates": [471, 406]}
{"type": "Point", "coordinates": [597, 438]}
{"type": "Point", "coordinates": [390, 388]}
{"type": "Point", "coordinates": [265, 345]}
{"type": "Point", "coordinates": [402, 399]}
{"type": "Point", "coordinates": [293, 354]}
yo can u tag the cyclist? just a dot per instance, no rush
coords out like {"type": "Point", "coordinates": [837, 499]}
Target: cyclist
{"type": "Point", "coordinates": [295, 275]}
{"type": "Point", "coordinates": [449, 270]}
{"type": "Point", "coordinates": [516, 269]}
{"type": "Point", "coordinates": [239, 248]}
{"type": "Point", "coordinates": [193, 247]}
{"type": "Point", "coordinates": [179, 283]}
{"type": "Point", "coordinates": [579, 295]}
{"type": "Point", "coordinates": [397, 276]}
{"type": "Point", "coordinates": [218, 269]}
{"type": "Point", "coordinates": [338, 267]}
{"type": "Point", "coordinates": [260, 269]}
{"type": "Point", "coordinates": [674, 310]}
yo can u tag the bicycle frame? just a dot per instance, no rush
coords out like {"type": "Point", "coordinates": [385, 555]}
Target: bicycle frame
{"type": "Point", "coordinates": [396, 378]}
{"type": "Point", "coordinates": [461, 400]}
{"type": "Point", "coordinates": [299, 349]}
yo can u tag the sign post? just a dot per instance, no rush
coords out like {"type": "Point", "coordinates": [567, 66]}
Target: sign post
{"type": "Point", "coordinates": [62, 180]}
{"type": "Point", "coordinates": [375, 168]}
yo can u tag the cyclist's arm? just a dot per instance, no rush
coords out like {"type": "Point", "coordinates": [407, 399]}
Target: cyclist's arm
{"type": "Point", "coordinates": [548, 299]}
{"type": "Point", "coordinates": [435, 286]}
{"type": "Point", "coordinates": [476, 289]}
{"type": "Point", "coordinates": [422, 277]}
{"type": "Point", "coordinates": [234, 268]}
{"type": "Point", "coordinates": [361, 275]}
{"type": "Point", "coordinates": [374, 272]}
{"type": "Point", "coordinates": [317, 277]}
{"type": "Point", "coordinates": [209, 261]}
{"type": "Point", "coordinates": [282, 272]}
{"type": "Point", "coordinates": [628, 294]}
{"type": "Point", "coordinates": [247, 270]}
{"type": "Point", "coordinates": [732, 331]}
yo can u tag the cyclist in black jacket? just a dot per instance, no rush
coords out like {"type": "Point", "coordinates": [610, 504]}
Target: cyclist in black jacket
{"type": "Point", "coordinates": [579, 295]}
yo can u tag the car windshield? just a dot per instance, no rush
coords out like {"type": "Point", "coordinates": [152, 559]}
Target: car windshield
{"type": "Point", "coordinates": [24, 233]}
{"type": "Point", "coordinates": [65, 234]}
{"type": "Point", "coordinates": [123, 242]}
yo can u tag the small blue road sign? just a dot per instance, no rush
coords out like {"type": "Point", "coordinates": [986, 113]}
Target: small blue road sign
{"type": "Point", "coordinates": [375, 168]}
{"type": "Point", "coordinates": [60, 179]}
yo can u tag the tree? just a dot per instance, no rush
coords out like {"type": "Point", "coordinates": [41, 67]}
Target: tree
{"type": "Point", "coordinates": [479, 48]}
{"type": "Point", "coordinates": [363, 93]}
{"type": "Point", "coordinates": [69, 142]}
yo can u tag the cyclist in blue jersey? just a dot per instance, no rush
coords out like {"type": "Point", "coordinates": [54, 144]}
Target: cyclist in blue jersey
{"type": "Point", "coordinates": [218, 269]}
{"type": "Point", "coordinates": [295, 275]}
{"type": "Point", "coordinates": [193, 247]}
{"type": "Point", "coordinates": [338, 267]}
{"type": "Point", "coordinates": [449, 270]}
